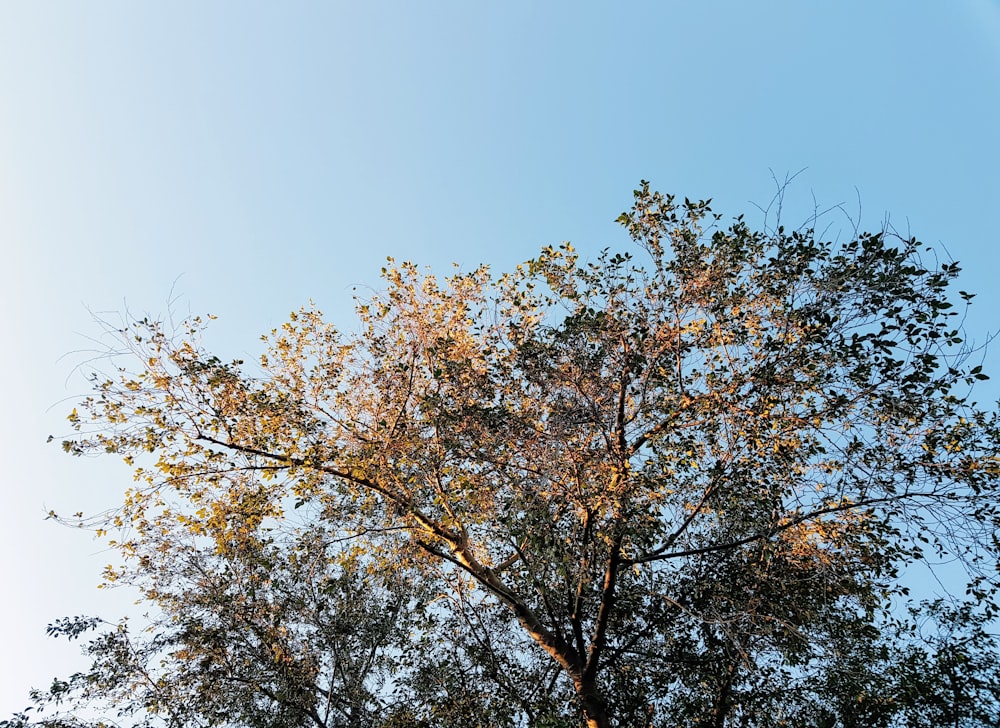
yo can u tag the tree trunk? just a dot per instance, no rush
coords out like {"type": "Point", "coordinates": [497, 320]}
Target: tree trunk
{"type": "Point", "coordinates": [595, 709]}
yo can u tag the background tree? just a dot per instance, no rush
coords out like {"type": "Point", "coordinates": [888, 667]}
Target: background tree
{"type": "Point", "coordinates": [688, 484]}
{"type": "Point", "coordinates": [266, 632]}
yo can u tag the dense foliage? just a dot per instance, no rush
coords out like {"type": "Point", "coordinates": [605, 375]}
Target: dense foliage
{"type": "Point", "coordinates": [670, 489]}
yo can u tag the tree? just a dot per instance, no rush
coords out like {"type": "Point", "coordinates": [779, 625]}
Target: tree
{"type": "Point", "coordinates": [257, 635]}
{"type": "Point", "coordinates": [670, 492]}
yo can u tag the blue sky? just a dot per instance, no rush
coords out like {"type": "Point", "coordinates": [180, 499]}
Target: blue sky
{"type": "Point", "coordinates": [250, 156]}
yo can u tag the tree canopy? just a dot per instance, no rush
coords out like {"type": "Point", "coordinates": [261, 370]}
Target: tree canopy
{"type": "Point", "coordinates": [675, 485]}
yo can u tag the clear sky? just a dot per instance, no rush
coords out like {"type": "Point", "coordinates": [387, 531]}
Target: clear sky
{"type": "Point", "coordinates": [251, 156]}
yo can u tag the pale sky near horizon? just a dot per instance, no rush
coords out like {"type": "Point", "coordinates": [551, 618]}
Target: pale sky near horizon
{"type": "Point", "coordinates": [248, 157]}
